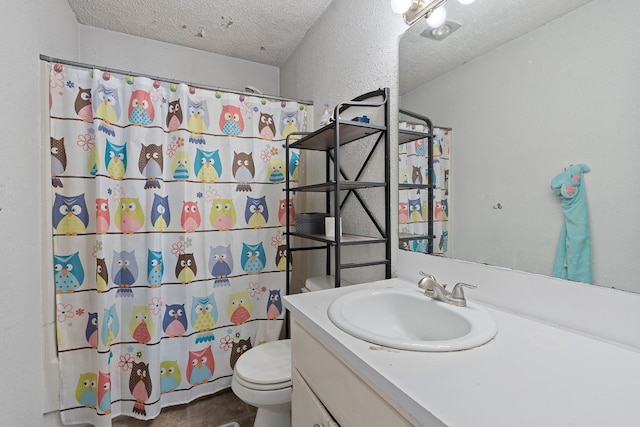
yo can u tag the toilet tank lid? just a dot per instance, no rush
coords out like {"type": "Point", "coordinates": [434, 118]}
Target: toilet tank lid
{"type": "Point", "coordinates": [268, 363]}
{"type": "Point", "coordinates": [318, 283]}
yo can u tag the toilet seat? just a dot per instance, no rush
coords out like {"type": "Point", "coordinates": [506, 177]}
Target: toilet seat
{"type": "Point", "coordinates": [265, 367]}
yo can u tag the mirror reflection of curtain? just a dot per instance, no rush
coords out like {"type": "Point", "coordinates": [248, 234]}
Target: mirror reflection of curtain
{"type": "Point", "coordinates": [167, 239]}
{"type": "Point", "coordinates": [441, 168]}
{"type": "Point", "coordinates": [413, 212]}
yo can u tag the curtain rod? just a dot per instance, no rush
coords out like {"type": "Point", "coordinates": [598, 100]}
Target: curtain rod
{"type": "Point", "coordinates": [198, 86]}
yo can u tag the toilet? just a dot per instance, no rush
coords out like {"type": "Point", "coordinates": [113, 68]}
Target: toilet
{"type": "Point", "coordinates": [262, 378]}
{"type": "Point", "coordinates": [262, 375]}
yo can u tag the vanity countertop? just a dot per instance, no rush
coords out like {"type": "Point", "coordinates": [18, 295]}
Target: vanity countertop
{"type": "Point", "coordinates": [530, 374]}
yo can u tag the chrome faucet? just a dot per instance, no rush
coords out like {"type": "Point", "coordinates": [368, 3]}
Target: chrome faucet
{"type": "Point", "coordinates": [435, 290]}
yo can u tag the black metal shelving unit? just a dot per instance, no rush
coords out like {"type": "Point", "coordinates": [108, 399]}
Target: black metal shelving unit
{"type": "Point", "coordinates": [341, 185]}
{"type": "Point", "coordinates": [405, 136]}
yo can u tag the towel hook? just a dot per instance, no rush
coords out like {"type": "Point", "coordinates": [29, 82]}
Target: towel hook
{"type": "Point", "coordinates": [497, 206]}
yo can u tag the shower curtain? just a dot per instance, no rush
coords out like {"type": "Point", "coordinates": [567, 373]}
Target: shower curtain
{"type": "Point", "coordinates": [413, 211]}
{"type": "Point", "coordinates": [169, 255]}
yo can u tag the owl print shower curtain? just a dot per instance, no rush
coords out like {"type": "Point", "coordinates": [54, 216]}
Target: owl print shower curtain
{"type": "Point", "coordinates": [168, 247]}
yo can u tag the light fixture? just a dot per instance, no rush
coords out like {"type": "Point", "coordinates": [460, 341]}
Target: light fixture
{"type": "Point", "coordinates": [437, 17]}
{"type": "Point", "coordinates": [400, 6]}
{"type": "Point", "coordinates": [414, 10]}
{"type": "Point", "coordinates": [442, 32]}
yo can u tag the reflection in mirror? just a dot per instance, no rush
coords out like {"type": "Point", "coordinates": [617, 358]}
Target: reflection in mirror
{"type": "Point", "coordinates": [563, 91]}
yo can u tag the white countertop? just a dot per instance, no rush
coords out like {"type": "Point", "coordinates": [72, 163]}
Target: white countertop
{"type": "Point", "coordinates": [530, 374]}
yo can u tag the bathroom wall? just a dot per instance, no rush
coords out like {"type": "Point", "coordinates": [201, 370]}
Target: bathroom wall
{"type": "Point", "coordinates": [351, 49]}
{"type": "Point", "coordinates": [27, 28]}
{"type": "Point", "coordinates": [103, 47]}
{"type": "Point", "coordinates": [565, 93]}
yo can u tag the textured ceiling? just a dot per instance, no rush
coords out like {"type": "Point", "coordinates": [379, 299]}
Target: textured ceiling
{"type": "Point", "coordinates": [260, 31]}
{"type": "Point", "coordinates": [267, 32]}
{"type": "Point", "coordinates": [486, 24]}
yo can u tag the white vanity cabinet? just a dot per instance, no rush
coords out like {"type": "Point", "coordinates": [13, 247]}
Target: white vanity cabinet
{"type": "Point", "coordinates": [326, 389]}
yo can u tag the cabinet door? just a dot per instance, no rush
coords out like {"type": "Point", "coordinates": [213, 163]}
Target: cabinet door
{"type": "Point", "coordinates": [350, 399]}
{"type": "Point", "coordinates": [306, 409]}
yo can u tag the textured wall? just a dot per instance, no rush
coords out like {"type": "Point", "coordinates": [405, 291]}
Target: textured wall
{"type": "Point", "coordinates": [352, 49]}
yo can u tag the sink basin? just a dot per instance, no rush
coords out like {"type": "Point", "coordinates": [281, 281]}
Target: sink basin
{"type": "Point", "coordinates": [406, 319]}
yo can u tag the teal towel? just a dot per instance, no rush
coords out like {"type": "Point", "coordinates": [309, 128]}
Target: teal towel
{"type": "Point", "coordinates": [573, 256]}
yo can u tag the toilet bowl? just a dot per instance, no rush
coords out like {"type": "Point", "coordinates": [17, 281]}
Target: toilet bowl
{"type": "Point", "coordinates": [262, 378]}
{"type": "Point", "coordinates": [262, 375]}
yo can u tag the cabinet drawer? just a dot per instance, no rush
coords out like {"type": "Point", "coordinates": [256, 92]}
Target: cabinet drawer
{"type": "Point", "coordinates": [350, 400]}
{"type": "Point", "coordinates": [306, 409]}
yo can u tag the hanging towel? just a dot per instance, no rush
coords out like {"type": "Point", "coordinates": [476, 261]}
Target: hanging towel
{"type": "Point", "coordinates": [573, 256]}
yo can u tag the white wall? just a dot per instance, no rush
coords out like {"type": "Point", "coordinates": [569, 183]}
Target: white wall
{"type": "Point", "coordinates": [351, 49]}
{"type": "Point", "coordinates": [139, 55]}
{"type": "Point", "coordinates": [27, 28]}
{"type": "Point", "coordinates": [563, 94]}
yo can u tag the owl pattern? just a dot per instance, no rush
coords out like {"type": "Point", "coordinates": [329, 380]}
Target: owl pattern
{"type": "Point", "coordinates": [207, 166]}
{"type": "Point", "coordinates": [87, 389]}
{"type": "Point", "coordinates": [141, 325]}
{"type": "Point", "coordinates": [274, 304]}
{"type": "Point", "coordinates": [155, 268]}
{"type": "Point", "coordinates": [82, 105]}
{"type": "Point", "coordinates": [174, 322]}
{"type": "Point", "coordinates": [256, 212]}
{"type": "Point", "coordinates": [243, 170]}
{"type": "Point", "coordinates": [68, 272]}
{"type": "Point", "coordinates": [198, 122]}
{"type": "Point", "coordinates": [107, 106]}
{"type": "Point", "coordinates": [415, 209]}
{"type": "Point", "coordinates": [253, 258]}
{"type": "Point", "coordinates": [239, 307]}
{"type": "Point", "coordinates": [200, 366]}
{"type": "Point", "coordinates": [231, 121]}
{"type": "Point", "coordinates": [174, 115]}
{"type": "Point", "coordinates": [141, 110]}
{"type": "Point", "coordinates": [124, 268]}
{"type": "Point", "coordinates": [150, 163]}
{"type": "Point", "coordinates": [282, 212]}
{"type": "Point", "coordinates": [170, 376]}
{"type": "Point", "coordinates": [58, 161]}
{"type": "Point", "coordinates": [186, 268]}
{"type": "Point", "coordinates": [220, 264]}
{"type": "Point", "coordinates": [70, 214]}
{"type": "Point", "coordinates": [204, 312]}
{"type": "Point", "coordinates": [129, 216]}
{"type": "Point", "coordinates": [288, 123]}
{"type": "Point", "coordinates": [223, 214]}
{"type": "Point", "coordinates": [140, 386]}
{"type": "Point", "coordinates": [266, 126]}
{"type": "Point", "coordinates": [160, 212]}
{"type": "Point", "coordinates": [115, 158]}
{"type": "Point", "coordinates": [104, 392]}
{"type": "Point", "coordinates": [238, 349]}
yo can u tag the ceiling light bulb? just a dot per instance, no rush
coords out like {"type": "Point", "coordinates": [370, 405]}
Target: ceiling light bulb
{"type": "Point", "coordinates": [466, 1]}
{"type": "Point", "coordinates": [437, 17]}
{"type": "Point", "coordinates": [400, 6]}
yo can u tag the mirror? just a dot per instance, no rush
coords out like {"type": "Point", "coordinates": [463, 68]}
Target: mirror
{"type": "Point", "coordinates": [524, 104]}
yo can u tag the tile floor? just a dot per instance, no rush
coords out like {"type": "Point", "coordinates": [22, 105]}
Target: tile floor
{"type": "Point", "coordinates": [212, 411]}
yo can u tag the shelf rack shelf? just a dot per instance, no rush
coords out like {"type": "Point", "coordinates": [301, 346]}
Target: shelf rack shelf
{"type": "Point", "coordinates": [340, 185]}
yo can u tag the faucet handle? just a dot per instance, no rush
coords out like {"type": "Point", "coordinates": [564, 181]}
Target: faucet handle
{"type": "Point", "coordinates": [427, 281]}
{"type": "Point", "coordinates": [458, 292]}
